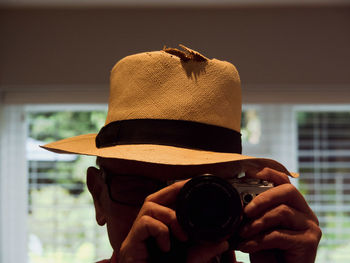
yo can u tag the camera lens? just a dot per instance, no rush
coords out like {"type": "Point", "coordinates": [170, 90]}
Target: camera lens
{"type": "Point", "coordinates": [208, 208]}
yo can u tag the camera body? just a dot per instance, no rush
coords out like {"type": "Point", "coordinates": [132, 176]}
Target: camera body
{"type": "Point", "coordinates": [249, 188]}
{"type": "Point", "coordinates": [210, 208]}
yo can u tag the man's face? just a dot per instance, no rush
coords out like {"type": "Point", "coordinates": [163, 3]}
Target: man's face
{"type": "Point", "coordinates": [118, 201]}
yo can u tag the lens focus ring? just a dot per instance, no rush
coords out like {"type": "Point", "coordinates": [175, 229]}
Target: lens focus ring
{"type": "Point", "coordinates": [209, 208]}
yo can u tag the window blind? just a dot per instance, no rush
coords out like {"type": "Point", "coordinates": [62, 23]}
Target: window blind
{"type": "Point", "coordinates": [324, 164]}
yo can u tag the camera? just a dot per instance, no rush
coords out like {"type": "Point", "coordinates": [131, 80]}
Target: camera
{"type": "Point", "coordinates": [210, 208]}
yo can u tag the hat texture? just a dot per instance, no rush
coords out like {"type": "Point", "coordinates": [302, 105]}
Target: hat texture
{"type": "Point", "coordinates": [170, 107]}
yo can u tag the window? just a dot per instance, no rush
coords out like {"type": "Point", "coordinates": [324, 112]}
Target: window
{"type": "Point", "coordinates": [324, 164]}
{"type": "Point", "coordinates": [61, 219]}
{"type": "Point", "coordinates": [58, 213]}
{"type": "Point", "coordinates": [61, 226]}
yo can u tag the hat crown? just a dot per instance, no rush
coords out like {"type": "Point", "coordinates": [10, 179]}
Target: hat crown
{"type": "Point", "coordinates": [194, 104]}
{"type": "Point", "coordinates": [160, 85]}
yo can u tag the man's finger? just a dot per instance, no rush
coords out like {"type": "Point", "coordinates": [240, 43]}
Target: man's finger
{"type": "Point", "coordinates": [276, 239]}
{"type": "Point", "coordinates": [295, 242]}
{"type": "Point", "coordinates": [147, 227]}
{"type": "Point", "coordinates": [282, 194]}
{"type": "Point", "coordinates": [270, 175]}
{"type": "Point", "coordinates": [167, 195]}
{"type": "Point", "coordinates": [281, 216]}
{"type": "Point", "coordinates": [165, 215]}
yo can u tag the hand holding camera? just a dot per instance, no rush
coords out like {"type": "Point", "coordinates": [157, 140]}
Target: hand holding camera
{"type": "Point", "coordinates": [155, 221]}
{"type": "Point", "coordinates": [280, 223]}
{"type": "Point", "coordinates": [281, 227]}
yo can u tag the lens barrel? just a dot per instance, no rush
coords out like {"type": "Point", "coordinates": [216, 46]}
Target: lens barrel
{"type": "Point", "coordinates": [209, 208]}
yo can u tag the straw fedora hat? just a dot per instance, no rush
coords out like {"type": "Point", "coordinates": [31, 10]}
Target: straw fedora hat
{"type": "Point", "coordinates": [171, 107]}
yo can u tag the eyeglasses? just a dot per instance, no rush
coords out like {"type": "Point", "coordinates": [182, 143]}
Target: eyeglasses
{"type": "Point", "coordinates": [130, 190]}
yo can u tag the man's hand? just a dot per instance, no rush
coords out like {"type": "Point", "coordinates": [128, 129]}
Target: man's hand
{"type": "Point", "coordinates": [281, 226]}
{"type": "Point", "coordinates": [156, 219]}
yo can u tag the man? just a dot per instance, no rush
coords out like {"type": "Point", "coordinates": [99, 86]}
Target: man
{"type": "Point", "coordinates": [174, 115]}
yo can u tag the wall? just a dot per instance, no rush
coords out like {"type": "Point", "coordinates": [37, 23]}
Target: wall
{"type": "Point", "coordinates": [284, 54]}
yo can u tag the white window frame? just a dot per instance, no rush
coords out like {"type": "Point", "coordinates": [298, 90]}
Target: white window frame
{"type": "Point", "coordinates": [14, 175]}
{"type": "Point", "coordinates": [13, 184]}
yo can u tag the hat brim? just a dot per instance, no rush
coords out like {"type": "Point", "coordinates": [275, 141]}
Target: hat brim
{"type": "Point", "coordinates": [162, 154]}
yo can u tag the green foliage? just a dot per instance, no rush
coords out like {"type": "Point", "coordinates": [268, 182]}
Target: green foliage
{"type": "Point", "coordinates": [62, 227]}
{"type": "Point", "coordinates": [53, 126]}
